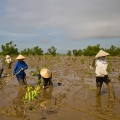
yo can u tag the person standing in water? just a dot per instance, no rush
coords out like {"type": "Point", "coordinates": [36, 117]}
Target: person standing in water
{"type": "Point", "coordinates": [8, 61]}
{"type": "Point", "coordinates": [20, 68]}
{"type": "Point", "coordinates": [100, 64]}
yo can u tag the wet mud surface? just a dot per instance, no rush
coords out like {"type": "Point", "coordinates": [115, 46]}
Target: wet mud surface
{"type": "Point", "coordinates": [71, 98]}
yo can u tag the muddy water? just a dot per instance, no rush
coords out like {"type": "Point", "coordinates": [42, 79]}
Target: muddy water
{"type": "Point", "coordinates": [71, 97]}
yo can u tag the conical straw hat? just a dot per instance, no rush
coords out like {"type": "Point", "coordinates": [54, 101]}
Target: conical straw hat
{"type": "Point", "coordinates": [7, 56]}
{"type": "Point", "coordinates": [20, 57]}
{"type": "Point", "coordinates": [46, 73]}
{"type": "Point", "coordinates": [101, 53]}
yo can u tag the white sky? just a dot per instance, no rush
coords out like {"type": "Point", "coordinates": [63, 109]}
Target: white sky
{"type": "Point", "coordinates": [65, 24]}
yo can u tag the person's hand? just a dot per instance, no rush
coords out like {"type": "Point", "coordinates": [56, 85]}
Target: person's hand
{"type": "Point", "coordinates": [22, 69]}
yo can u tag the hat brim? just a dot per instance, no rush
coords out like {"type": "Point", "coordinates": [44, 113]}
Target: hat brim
{"type": "Point", "coordinates": [20, 57]}
{"type": "Point", "coordinates": [101, 53]}
{"type": "Point", "coordinates": [46, 73]}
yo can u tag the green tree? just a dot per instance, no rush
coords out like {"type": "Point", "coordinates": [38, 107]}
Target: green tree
{"type": "Point", "coordinates": [25, 52]}
{"type": "Point", "coordinates": [77, 52]}
{"type": "Point", "coordinates": [91, 50]}
{"type": "Point", "coordinates": [9, 49]}
{"type": "Point", "coordinates": [32, 51]}
{"type": "Point", "coordinates": [52, 51]}
{"type": "Point", "coordinates": [37, 50]}
{"type": "Point", "coordinates": [69, 53]}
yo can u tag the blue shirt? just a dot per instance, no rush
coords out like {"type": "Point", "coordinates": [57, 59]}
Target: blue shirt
{"type": "Point", "coordinates": [17, 68]}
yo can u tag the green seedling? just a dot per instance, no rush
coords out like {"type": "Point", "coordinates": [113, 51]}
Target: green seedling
{"type": "Point", "coordinates": [31, 93]}
{"type": "Point", "coordinates": [45, 66]}
{"type": "Point", "coordinates": [91, 88]}
{"type": "Point", "coordinates": [82, 61]}
{"type": "Point", "coordinates": [109, 67]}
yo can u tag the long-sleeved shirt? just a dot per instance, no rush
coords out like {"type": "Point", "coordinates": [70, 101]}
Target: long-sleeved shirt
{"type": "Point", "coordinates": [101, 67]}
{"type": "Point", "coordinates": [18, 66]}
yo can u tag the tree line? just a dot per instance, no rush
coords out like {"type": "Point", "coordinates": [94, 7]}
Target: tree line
{"type": "Point", "coordinates": [11, 49]}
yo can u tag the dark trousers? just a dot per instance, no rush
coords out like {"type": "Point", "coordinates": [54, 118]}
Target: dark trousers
{"type": "Point", "coordinates": [46, 81]}
{"type": "Point", "coordinates": [99, 82]}
{"type": "Point", "coordinates": [1, 71]}
{"type": "Point", "coordinates": [21, 80]}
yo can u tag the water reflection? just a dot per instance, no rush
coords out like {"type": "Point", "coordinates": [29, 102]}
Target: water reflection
{"type": "Point", "coordinates": [47, 93]}
{"type": "Point", "coordinates": [109, 107]}
{"type": "Point", "coordinates": [21, 93]}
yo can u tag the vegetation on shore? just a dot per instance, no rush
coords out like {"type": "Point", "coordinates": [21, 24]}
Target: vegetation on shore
{"type": "Point", "coordinates": [11, 49]}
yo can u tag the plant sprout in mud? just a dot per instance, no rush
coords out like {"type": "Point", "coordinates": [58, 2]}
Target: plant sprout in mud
{"type": "Point", "coordinates": [109, 67]}
{"type": "Point", "coordinates": [73, 59]}
{"type": "Point", "coordinates": [31, 94]}
{"type": "Point", "coordinates": [88, 71]}
{"type": "Point", "coordinates": [82, 61]}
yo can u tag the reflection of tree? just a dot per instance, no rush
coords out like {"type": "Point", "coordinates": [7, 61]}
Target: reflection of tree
{"type": "Point", "coordinates": [108, 110]}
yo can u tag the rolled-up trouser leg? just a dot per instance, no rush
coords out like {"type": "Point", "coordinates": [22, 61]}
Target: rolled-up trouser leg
{"type": "Point", "coordinates": [111, 91]}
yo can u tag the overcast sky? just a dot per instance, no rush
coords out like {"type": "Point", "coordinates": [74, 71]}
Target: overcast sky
{"type": "Point", "coordinates": [64, 24]}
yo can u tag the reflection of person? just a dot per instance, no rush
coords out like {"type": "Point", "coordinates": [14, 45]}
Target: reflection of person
{"type": "Point", "coordinates": [20, 66]}
{"type": "Point", "coordinates": [46, 94]}
{"type": "Point", "coordinates": [20, 94]}
{"type": "Point", "coordinates": [8, 61]}
{"type": "Point", "coordinates": [110, 106]}
{"type": "Point", "coordinates": [46, 76]}
{"type": "Point", "coordinates": [101, 73]}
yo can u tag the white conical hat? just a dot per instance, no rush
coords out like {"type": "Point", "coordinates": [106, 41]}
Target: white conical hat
{"type": "Point", "coordinates": [101, 53]}
{"type": "Point", "coordinates": [20, 57]}
{"type": "Point", "coordinates": [44, 72]}
{"type": "Point", "coordinates": [7, 56]}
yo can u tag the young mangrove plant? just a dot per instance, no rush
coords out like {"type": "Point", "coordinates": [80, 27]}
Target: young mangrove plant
{"type": "Point", "coordinates": [89, 71]}
{"type": "Point", "coordinates": [82, 61]}
{"type": "Point", "coordinates": [31, 94]}
{"type": "Point", "coordinates": [109, 67]}
{"type": "Point", "coordinates": [45, 66]}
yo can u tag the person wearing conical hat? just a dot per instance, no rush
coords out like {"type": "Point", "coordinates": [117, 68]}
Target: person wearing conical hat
{"type": "Point", "coordinates": [46, 76]}
{"type": "Point", "coordinates": [21, 66]}
{"type": "Point", "coordinates": [8, 61]}
{"type": "Point", "coordinates": [100, 64]}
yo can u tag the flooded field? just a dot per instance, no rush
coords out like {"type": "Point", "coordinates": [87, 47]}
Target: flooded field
{"type": "Point", "coordinates": [72, 96]}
